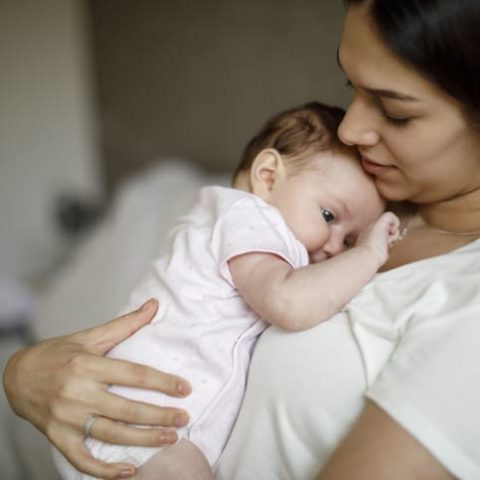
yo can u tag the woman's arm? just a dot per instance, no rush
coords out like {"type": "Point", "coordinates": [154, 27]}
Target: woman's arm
{"type": "Point", "coordinates": [56, 384]}
{"type": "Point", "coordinates": [379, 448]}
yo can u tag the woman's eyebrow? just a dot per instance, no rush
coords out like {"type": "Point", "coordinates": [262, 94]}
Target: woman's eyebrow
{"type": "Point", "coordinates": [381, 92]}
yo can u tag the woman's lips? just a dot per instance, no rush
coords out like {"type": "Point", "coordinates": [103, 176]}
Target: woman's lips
{"type": "Point", "coordinates": [375, 168]}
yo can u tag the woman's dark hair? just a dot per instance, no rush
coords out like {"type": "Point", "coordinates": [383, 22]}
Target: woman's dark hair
{"type": "Point", "coordinates": [296, 133]}
{"type": "Point", "coordinates": [440, 38]}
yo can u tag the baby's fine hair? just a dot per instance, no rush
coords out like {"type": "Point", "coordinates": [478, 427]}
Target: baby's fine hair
{"type": "Point", "coordinates": [296, 133]}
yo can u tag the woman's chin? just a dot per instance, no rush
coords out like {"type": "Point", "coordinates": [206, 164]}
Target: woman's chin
{"type": "Point", "coordinates": [392, 192]}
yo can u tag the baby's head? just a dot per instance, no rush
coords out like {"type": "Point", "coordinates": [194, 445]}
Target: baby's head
{"type": "Point", "coordinates": [297, 164]}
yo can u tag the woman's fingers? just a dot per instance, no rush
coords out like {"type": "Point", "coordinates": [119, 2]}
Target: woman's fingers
{"type": "Point", "coordinates": [120, 372]}
{"type": "Point", "coordinates": [139, 413]}
{"type": "Point", "coordinates": [100, 340]}
{"type": "Point", "coordinates": [110, 431]}
{"type": "Point", "coordinates": [72, 447]}
{"type": "Point", "coordinates": [83, 391]}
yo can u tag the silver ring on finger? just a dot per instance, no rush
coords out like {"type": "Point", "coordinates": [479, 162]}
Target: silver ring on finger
{"type": "Point", "coordinates": [88, 424]}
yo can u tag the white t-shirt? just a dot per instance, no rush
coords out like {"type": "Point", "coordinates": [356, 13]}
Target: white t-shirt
{"type": "Point", "coordinates": [203, 331]}
{"type": "Point", "coordinates": [410, 341]}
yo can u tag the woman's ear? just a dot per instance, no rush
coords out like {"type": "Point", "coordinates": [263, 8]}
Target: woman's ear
{"type": "Point", "coordinates": [267, 170]}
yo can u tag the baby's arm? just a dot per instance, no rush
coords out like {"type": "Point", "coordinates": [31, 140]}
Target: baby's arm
{"type": "Point", "coordinates": [295, 299]}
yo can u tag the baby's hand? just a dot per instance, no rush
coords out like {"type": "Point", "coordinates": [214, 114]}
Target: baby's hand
{"type": "Point", "coordinates": [380, 235]}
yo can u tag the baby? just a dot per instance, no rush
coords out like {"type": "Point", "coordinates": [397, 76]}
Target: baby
{"type": "Point", "coordinates": [299, 235]}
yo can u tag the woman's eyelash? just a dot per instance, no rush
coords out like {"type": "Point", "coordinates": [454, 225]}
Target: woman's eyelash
{"type": "Point", "coordinates": [395, 121]}
{"type": "Point", "coordinates": [399, 122]}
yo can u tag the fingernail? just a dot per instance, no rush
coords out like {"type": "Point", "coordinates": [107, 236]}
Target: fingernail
{"type": "Point", "coordinates": [184, 389]}
{"type": "Point", "coordinates": [147, 305]}
{"type": "Point", "coordinates": [168, 437]}
{"type": "Point", "coordinates": [180, 419]}
{"type": "Point", "coordinates": [126, 473]}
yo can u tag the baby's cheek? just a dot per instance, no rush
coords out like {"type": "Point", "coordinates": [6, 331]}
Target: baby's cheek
{"type": "Point", "coordinates": [315, 238]}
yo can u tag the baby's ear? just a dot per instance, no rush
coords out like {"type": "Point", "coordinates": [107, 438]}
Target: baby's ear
{"type": "Point", "coordinates": [267, 169]}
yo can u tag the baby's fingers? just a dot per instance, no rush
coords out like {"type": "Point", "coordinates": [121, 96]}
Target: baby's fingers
{"type": "Point", "coordinates": [393, 227]}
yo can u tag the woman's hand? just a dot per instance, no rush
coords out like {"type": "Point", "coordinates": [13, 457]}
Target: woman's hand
{"type": "Point", "coordinates": [58, 383]}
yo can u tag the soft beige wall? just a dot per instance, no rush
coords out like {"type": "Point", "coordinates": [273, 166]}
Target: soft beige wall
{"type": "Point", "coordinates": [47, 138]}
{"type": "Point", "coordinates": [198, 78]}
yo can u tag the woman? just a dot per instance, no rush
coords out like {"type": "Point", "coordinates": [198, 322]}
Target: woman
{"type": "Point", "coordinates": [387, 389]}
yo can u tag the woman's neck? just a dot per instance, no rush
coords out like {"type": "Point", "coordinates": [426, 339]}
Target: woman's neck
{"type": "Point", "coordinates": [434, 229]}
{"type": "Point", "coordinates": [460, 215]}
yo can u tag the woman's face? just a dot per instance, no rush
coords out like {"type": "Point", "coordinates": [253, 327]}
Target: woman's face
{"type": "Point", "coordinates": [413, 138]}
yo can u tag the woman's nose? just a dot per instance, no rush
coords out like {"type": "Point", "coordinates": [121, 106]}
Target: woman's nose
{"type": "Point", "coordinates": [358, 127]}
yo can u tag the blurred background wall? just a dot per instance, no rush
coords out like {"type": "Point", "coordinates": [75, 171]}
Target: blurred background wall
{"type": "Point", "coordinates": [198, 78]}
{"type": "Point", "coordinates": [48, 141]}
{"type": "Point", "coordinates": [91, 91]}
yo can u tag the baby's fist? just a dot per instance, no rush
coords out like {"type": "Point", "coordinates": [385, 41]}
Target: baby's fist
{"type": "Point", "coordinates": [381, 234]}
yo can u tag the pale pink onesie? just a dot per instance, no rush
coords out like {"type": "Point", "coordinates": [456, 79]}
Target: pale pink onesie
{"type": "Point", "coordinates": [203, 330]}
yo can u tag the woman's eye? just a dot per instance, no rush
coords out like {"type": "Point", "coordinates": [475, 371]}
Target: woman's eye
{"type": "Point", "coordinates": [399, 122]}
{"type": "Point", "coordinates": [328, 215]}
{"type": "Point", "coordinates": [348, 83]}
{"type": "Point", "coordinates": [395, 120]}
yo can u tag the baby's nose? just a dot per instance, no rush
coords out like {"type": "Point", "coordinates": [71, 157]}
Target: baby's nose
{"type": "Point", "coordinates": [334, 246]}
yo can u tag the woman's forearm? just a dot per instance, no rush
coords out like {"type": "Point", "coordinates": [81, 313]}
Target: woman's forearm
{"type": "Point", "coordinates": [379, 448]}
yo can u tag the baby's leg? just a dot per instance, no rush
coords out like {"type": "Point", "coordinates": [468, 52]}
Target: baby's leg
{"type": "Point", "coordinates": [182, 461]}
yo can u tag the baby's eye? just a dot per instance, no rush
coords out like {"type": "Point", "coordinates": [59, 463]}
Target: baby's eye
{"type": "Point", "coordinates": [328, 215]}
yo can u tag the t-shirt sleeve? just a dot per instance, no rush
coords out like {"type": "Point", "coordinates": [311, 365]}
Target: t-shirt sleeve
{"type": "Point", "coordinates": [250, 225]}
{"type": "Point", "coordinates": [431, 383]}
